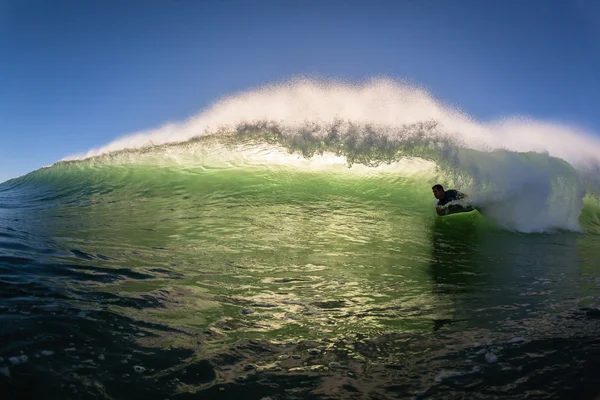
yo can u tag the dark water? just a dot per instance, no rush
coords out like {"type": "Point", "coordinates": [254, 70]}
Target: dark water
{"type": "Point", "coordinates": [144, 281]}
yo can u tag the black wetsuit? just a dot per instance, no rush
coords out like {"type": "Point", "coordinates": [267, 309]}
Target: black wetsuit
{"type": "Point", "coordinates": [450, 195]}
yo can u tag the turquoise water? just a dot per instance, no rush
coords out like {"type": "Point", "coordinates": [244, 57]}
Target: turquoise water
{"type": "Point", "coordinates": [268, 268]}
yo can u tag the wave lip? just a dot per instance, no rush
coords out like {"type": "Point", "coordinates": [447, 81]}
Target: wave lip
{"type": "Point", "coordinates": [378, 102]}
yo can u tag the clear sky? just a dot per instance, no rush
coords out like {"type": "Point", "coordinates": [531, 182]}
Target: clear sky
{"type": "Point", "coordinates": [77, 74]}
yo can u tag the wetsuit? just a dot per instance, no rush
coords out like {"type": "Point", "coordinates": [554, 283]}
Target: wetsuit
{"type": "Point", "coordinates": [450, 195]}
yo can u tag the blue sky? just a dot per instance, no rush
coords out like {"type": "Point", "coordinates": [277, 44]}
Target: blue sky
{"type": "Point", "coordinates": [77, 74]}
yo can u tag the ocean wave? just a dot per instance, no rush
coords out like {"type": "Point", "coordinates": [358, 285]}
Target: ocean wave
{"type": "Point", "coordinates": [531, 176]}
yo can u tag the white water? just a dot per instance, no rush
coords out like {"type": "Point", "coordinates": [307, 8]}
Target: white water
{"type": "Point", "coordinates": [531, 195]}
{"type": "Point", "coordinates": [380, 102]}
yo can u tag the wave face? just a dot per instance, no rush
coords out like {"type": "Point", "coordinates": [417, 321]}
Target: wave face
{"type": "Point", "coordinates": [284, 244]}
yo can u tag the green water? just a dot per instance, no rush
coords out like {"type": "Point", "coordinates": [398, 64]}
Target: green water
{"type": "Point", "coordinates": [310, 254]}
{"type": "Point", "coordinates": [203, 256]}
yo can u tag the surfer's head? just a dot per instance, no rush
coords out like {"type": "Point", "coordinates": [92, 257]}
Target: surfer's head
{"type": "Point", "coordinates": [438, 191]}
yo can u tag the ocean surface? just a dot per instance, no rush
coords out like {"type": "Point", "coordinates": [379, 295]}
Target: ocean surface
{"type": "Point", "coordinates": [267, 249]}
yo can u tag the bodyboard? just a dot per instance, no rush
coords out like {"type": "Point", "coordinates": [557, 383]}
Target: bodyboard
{"type": "Point", "coordinates": [456, 208]}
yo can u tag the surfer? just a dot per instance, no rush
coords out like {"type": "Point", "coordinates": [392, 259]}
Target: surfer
{"type": "Point", "coordinates": [445, 196]}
